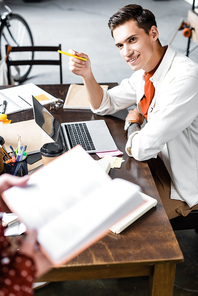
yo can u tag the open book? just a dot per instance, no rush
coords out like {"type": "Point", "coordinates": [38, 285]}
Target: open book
{"type": "Point", "coordinates": [19, 98]}
{"type": "Point", "coordinates": [77, 97]}
{"type": "Point", "coordinates": [72, 203]}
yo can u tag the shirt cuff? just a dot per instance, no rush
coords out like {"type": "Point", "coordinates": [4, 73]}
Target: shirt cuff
{"type": "Point", "coordinates": [128, 147]}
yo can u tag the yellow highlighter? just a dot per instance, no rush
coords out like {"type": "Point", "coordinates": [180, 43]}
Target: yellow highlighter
{"type": "Point", "coordinates": [71, 55]}
{"type": "Point", "coordinates": [3, 119]}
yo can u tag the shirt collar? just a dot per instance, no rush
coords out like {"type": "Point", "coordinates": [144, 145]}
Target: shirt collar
{"type": "Point", "coordinates": [164, 65]}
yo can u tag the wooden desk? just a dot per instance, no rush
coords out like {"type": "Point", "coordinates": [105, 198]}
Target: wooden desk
{"type": "Point", "coordinates": [146, 248]}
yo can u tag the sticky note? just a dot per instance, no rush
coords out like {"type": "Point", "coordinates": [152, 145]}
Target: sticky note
{"type": "Point", "coordinates": [117, 163]}
{"type": "Point", "coordinates": [42, 97]}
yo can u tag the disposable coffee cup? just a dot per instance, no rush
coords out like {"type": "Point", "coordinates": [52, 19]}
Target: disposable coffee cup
{"type": "Point", "coordinates": [50, 151]}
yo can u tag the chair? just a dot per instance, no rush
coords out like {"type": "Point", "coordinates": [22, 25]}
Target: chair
{"type": "Point", "coordinates": [193, 24]}
{"type": "Point", "coordinates": [31, 62]}
{"type": "Point", "coordinates": [188, 222]}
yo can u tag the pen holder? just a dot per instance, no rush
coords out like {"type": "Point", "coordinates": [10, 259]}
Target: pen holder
{"type": "Point", "coordinates": [1, 163]}
{"type": "Point", "coordinates": [17, 168]}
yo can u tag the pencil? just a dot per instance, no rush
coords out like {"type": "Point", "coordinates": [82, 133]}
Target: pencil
{"type": "Point", "coordinates": [4, 151]}
{"type": "Point", "coordinates": [24, 100]}
{"type": "Point", "coordinates": [71, 55]}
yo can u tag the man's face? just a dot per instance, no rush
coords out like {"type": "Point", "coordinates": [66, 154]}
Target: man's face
{"type": "Point", "coordinates": [136, 47]}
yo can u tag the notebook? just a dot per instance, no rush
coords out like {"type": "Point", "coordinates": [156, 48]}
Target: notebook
{"type": "Point", "coordinates": [77, 97]}
{"type": "Point", "coordinates": [135, 214]}
{"type": "Point", "coordinates": [93, 136]}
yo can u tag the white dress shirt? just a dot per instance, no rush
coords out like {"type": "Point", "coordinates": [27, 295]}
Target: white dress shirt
{"type": "Point", "coordinates": [172, 128]}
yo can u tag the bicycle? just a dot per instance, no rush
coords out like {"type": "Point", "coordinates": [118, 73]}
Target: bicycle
{"type": "Point", "coordinates": [15, 31]}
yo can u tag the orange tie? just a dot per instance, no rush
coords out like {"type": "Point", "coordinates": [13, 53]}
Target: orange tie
{"type": "Point", "coordinates": [149, 92]}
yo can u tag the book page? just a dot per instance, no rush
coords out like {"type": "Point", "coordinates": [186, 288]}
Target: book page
{"type": "Point", "coordinates": [60, 184]}
{"type": "Point", "coordinates": [71, 202]}
{"type": "Point", "coordinates": [89, 219]}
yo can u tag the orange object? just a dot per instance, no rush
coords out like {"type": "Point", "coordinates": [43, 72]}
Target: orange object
{"type": "Point", "coordinates": [7, 121]}
{"type": "Point", "coordinates": [187, 32]}
{"type": "Point", "coordinates": [8, 161]}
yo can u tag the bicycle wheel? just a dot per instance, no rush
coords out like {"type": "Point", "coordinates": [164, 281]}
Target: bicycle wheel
{"type": "Point", "coordinates": [16, 32]}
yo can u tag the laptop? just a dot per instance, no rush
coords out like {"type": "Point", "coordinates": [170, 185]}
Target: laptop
{"type": "Point", "coordinates": [93, 136]}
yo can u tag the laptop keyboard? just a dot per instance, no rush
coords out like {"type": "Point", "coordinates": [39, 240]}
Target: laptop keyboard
{"type": "Point", "coordinates": [78, 134]}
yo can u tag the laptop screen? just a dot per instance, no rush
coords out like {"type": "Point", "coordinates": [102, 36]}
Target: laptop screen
{"type": "Point", "coordinates": [47, 122]}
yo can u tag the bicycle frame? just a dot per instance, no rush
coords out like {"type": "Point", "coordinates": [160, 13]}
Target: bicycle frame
{"type": "Point", "coordinates": [11, 25]}
{"type": "Point", "coordinates": [4, 18]}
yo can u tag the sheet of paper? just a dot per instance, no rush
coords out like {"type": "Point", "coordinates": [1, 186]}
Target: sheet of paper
{"type": "Point", "coordinates": [16, 228]}
{"type": "Point", "coordinates": [11, 106]}
{"type": "Point", "coordinates": [104, 164]}
{"type": "Point", "coordinates": [20, 97]}
{"type": "Point", "coordinates": [8, 218]}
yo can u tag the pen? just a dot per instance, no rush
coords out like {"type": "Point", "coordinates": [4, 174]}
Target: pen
{"type": "Point", "coordinates": [24, 100]}
{"type": "Point", "coordinates": [13, 150]}
{"type": "Point", "coordinates": [19, 144]}
{"type": "Point", "coordinates": [71, 55]}
{"type": "Point", "coordinates": [4, 107]}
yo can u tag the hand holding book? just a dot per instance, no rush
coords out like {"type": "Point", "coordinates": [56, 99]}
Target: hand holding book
{"type": "Point", "coordinates": [72, 202]}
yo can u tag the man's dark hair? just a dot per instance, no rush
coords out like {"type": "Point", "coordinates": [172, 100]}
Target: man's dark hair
{"type": "Point", "coordinates": [144, 18]}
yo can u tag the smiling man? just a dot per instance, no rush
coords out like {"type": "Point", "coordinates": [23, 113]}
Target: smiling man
{"type": "Point", "coordinates": [165, 88]}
